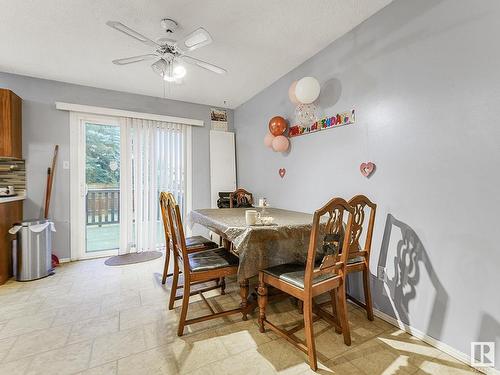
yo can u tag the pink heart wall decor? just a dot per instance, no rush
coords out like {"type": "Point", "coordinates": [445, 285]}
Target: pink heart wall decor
{"type": "Point", "coordinates": [367, 168]}
{"type": "Point", "coordinates": [282, 172]}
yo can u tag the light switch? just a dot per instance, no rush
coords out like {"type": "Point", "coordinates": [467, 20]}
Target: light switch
{"type": "Point", "coordinates": [65, 164]}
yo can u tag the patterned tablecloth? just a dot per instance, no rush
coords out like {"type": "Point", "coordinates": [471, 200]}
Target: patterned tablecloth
{"type": "Point", "coordinates": [259, 247]}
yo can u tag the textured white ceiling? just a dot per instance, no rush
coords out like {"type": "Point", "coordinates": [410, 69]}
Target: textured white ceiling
{"type": "Point", "coordinates": [257, 41]}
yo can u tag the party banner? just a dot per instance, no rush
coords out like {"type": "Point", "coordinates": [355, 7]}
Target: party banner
{"type": "Point", "coordinates": [340, 119]}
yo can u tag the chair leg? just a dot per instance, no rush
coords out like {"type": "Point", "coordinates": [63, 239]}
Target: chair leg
{"type": "Point", "coordinates": [300, 306]}
{"type": "Point", "coordinates": [165, 267]}
{"type": "Point", "coordinates": [244, 298]}
{"type": "Point", "coordinates": [173, 291]}
{"type": "Point", "coordinates": [342, 311]}
{"type": "Point", "coordinates": [184, 309]}
{"type": "Point", "coordinates": [222, 284]}
{"type": "Point", "coordinates": [335, 308]}
{"type": "Point", "coordinates": [308, 326]}
{"type": "Point", "coordinates": [262, 297]}
{"type": "Point", "coordinates": [368, 294]}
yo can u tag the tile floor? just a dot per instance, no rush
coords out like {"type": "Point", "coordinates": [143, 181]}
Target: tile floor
{"type": "Point", "coordinates": [94, 320]}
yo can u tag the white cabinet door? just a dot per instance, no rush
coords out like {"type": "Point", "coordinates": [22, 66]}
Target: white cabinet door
{"type": "Point", "coordinates": [222, 164]}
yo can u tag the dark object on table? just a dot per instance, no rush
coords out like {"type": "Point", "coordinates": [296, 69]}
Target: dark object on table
{"type": "Point", "coordinates": [224, 201]}
{"type": "Point", "coordinates": [240, 198]}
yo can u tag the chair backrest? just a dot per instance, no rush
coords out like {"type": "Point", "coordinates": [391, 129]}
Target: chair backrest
{"type": "Point", "coordinates": [327, 230]}
{"type": "Point", "coordinates": [359, 223]}
{"type": "Point", "coordinates": [242, 197]}
{"type": "Point", "coordinates": [166, 198]}
{"type": "Point", "coordinates": [178, 237]}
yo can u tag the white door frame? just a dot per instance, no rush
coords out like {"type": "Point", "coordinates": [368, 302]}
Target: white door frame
{"type": "Point", "coordinates": [78, 186]}
{"type": "Point", "coordinates": [77, 181]}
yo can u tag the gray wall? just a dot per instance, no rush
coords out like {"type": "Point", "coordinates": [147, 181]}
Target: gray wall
{"type": "Point", "coordinates": [424, 79]}
{"type": "Point", "coordinates": [44, 126]}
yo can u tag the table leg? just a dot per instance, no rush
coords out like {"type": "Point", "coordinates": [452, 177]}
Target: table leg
{"type": "Point", "coordinates": [244, 288]}
{"type": "Point", "coordinates": [226, 244]}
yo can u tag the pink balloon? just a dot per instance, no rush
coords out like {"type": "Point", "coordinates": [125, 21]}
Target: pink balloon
{"type": "Point", "coordinates": [291, 93]}
{"type": "Point", "coordinates": [281, 143]}
{"type": "Point", "coordinates": [268, 140]}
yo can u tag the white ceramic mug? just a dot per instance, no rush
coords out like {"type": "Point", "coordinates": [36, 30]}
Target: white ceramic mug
{"type": "Point", "coordinates": [251, 217]}
{"type": "Point", "coordinates": [10, 190]}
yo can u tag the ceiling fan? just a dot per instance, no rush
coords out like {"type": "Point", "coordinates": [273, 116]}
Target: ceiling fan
{"type": "Point", "coordinates": [169, 53]}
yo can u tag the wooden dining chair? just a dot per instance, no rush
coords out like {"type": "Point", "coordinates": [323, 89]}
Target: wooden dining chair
{"type": "Point", "coordinates": [193, 244]}
{"type": "Point", "coordinates": [198, 268]}
{"type": "Point", "coordinates": [359, 255]}
{"type": "Point", "coordinates": [242, 198]}
{"type": "Point", "coordinates": [305, 282]}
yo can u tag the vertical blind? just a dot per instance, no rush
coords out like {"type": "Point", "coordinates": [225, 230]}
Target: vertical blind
{"type": "Point", "coordinates": [157, 162]}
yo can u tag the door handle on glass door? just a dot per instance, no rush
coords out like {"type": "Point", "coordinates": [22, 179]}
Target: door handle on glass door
{"type": "Point", "coordinates": [84, 190]}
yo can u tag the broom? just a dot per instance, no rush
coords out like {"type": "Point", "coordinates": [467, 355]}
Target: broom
{"type": "Point", "coordinates": [48, 192]}
{"type": "Point", "coordinates": [50, 180]}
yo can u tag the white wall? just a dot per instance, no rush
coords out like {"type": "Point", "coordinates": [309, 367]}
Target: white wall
{"type": "Point", "coordinates": [424, 79]}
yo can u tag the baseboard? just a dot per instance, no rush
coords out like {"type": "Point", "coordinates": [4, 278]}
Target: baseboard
{"type": "Point", "coordinates": [465, 358]}
{"type": "Point", "coordinates": [64, 260]}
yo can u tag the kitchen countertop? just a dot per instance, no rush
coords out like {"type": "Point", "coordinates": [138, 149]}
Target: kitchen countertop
{"type": "Point", "coordinates": [20, 197]}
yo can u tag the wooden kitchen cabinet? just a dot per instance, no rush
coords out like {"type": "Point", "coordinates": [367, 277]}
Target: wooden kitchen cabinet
{"type": "Point", "coordinates": [10, 213]}
{"type": "Point", "coordinates": [10, 124]}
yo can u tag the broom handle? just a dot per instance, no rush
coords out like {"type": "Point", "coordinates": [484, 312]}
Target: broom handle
{"type": "Point", "coordinates": [50, 180]}
{"type": "Point", "coordinates": [46, 193]}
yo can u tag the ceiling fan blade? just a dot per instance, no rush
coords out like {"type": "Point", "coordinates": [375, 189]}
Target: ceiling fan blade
{"type": "Point", "coordinates": [134, 59]}
{"type": "Point", "coordinates": [134, 34]}
{"type": "Point", "coordinates": [196, 39]}
{"type": "Point", "coordinates": [204, 65]}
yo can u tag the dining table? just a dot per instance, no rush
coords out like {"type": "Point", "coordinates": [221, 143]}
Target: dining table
{"type": "Point", "coordinates": [257, 246]}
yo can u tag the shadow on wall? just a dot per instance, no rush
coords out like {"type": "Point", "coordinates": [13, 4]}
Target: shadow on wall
{"type": "Point", "coordinates": [331, 91]}
{"type": "Point", "coordinates": [377, 45]}
{"type": "Point", "coordinates": [407, 11]}
{"type": "Point", "coordinates": [409, 261]}
{"type": "Point", "coordinates": [489, 331]}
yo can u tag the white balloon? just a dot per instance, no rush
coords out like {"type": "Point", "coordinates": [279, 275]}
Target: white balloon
{"type": "Point", "coordinates": [307, 90]}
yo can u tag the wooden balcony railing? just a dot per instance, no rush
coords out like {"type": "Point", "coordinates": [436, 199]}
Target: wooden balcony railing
{"type": "Point", "coordinates": [103, 206]}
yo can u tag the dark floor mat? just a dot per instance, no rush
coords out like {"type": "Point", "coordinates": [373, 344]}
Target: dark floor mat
{"type": "Point", "coordinates": [121, 260]}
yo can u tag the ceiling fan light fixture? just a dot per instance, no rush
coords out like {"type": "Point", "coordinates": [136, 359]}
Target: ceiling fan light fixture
{"type": "Point", "coordinates": [160, 67]}
{"type": "Point", "coordinates": [174, 72]}
{"type": "Point", "coordinates": [179, 71]}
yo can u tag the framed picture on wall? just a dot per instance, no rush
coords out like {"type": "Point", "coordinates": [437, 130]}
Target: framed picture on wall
{"type": "Point", "coordinates": [218, 119]}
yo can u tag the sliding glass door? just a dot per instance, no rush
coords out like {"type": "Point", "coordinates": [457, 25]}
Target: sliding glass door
{"type": "Point", "coordinates": [119, 167]}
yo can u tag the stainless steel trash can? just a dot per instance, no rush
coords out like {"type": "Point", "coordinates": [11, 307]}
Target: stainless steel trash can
{"type": "Point", "coordinates": [32, 253]}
